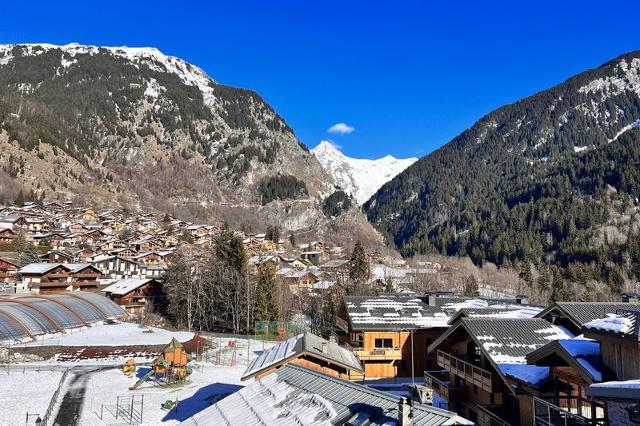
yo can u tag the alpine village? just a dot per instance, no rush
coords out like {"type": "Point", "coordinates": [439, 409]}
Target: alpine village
{"type": "Point", "coordinates": [172, 253]}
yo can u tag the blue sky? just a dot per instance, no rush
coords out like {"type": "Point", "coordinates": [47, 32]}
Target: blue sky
{"type": "Point", "coordinates": [407, 76]}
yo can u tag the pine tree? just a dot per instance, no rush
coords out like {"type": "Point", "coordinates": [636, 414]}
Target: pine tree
{"type": "Point", "coordinates": [471, 288]}
{"type": "Point", "coordinates": [560, 290]}
{"type": "Point", "coordinates": [544, 280]}
{"type": "Point", "coordinates": [29, 255]}
{"type": "Point", "coordinates": [229, 249]}
{"type": "Point", "coordinates": [267, 294]}
{"type": "Point", "coordinates": [525, 273]}
{"type": "Point", "coordinates": [360, 271]}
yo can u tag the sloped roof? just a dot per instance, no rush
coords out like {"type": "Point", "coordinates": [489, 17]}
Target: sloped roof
{"type": "Point", "coordinates": [125, 286]}
{"type": "Point", "coordinates": [582, 354]}
{"type": "Point", "coordinates": [623, 323]}
{"type": "Point", "coordinates": [305, 343]}
{"type": "Point", "coordinates": [506, 340]}
{"type": "Point", "coordinates": [294, 395]}
{"type": "Point", "coordinates": [39, 268]}
{"type": "Point", "coordinates": [392, 312]}
{"type": "Point", "coordinates": [582, 312]}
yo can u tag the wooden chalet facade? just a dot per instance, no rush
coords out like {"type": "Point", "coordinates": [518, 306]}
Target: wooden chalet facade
{"type": "Point", "coordinates": [478, 360]}
{"type": "Point", "coordinates": [136, 295]}
{"type": "Point", "coordinates": [385, 331]}
{"type": "Point", "coordinates": [49, 278]}
{"type": "Point", "coordinates": [7, 235]}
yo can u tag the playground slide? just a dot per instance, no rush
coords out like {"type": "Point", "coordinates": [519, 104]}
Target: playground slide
{"type": "Point", "coordinates": [142, 380]}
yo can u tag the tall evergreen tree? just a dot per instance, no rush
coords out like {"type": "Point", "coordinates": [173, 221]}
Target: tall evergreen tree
{"type": "Point", "coordinates": [560, 290]}
{"type": "Point", "coordinates": [471, 288]}
{"type": "Point", "coordinates": [29, 255]}
{"type": "Point", "coordinates": [229, 249]}
{"type": "Point", "coordinates": [267, 294]}
{"type": "Point", "coordinates": [544, 280]}
{"type": "Point", "coordinates": [360, 270]}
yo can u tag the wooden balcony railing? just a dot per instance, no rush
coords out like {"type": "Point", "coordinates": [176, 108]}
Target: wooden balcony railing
{"type": "Point", "coordinates": [546, 413]}
{"type": "Point", "coordinates": [467, 371]}
{"type": "Point", "coordinates": [378, 354]}
{"type": "Point", "coordinates": [440, 383]}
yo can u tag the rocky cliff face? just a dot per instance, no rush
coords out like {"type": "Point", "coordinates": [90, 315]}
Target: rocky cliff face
{"type": "Point", "coordinates": [139, 127]}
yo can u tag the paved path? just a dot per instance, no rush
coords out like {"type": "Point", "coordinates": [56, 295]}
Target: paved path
{"type": "Point", "coordinates": [73, 399]}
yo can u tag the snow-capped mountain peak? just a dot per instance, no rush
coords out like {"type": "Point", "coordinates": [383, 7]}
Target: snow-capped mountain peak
{"type": "Point", "coordinates": [360, 178]}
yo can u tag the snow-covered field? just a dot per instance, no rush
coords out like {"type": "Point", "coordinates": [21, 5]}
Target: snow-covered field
{"type": "Point", "coordinates": [24, 392]}
{"type": "Point", "coordinates": [208, 384]}
{"type": "Point", "coordinates": [118, 334]}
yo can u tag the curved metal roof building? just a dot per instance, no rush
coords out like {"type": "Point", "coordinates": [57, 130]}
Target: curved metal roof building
{"type": "Point", "coordinates": [34, 315]}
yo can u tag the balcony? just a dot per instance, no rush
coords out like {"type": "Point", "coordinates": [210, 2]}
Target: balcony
{"type": "Point", "coordinates": [547, 414]}
{"type": "Point", "coordinates": [467, 371]}
{"type": "Point", "coordinates": [381, 354]}
{"type": "Point", "coordinates": [440, 383]}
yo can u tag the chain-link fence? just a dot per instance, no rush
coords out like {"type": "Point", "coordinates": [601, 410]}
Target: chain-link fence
{"type": "Point", "coordinates": [241, 349]}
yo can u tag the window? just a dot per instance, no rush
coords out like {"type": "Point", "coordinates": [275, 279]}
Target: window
{"type": "Point", "coordinates": [383, 343]}
{"type": "Point", "coordinates": [475, 389]}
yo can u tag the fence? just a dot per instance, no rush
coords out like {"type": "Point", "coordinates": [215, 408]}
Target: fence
{"type": "Point", "coordinates": [234, 349]}
{"type": "Point", "coordinates": [54, 399]}
{"type": "Point", "coordinates": [127, 408]}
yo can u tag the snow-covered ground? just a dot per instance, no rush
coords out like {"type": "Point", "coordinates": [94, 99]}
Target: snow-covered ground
{"type": "Point", "coordinates": [119, 334]}
{"type": "Point", "coordinates": [208, 384]}
{"type": "Point", "coordinates": [24, 392]}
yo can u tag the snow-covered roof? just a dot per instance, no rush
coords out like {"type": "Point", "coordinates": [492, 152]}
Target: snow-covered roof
{"type": "Point", "coordinates": [628, 389]}
{"type": "Point", "coordinates": [300, 396]}
{"type": "Point", "coordinates": [583, 312]}
{"type": "Point", "coordinates": [392, 312]}
{"type": "Point", "coordinates": [39, 268]}
{"type": "Point", "coordinates": [122, 287]}
{"type": "Point", "coordinates": [583, 354]}
{"type": "Point", "coordinates": [624, 324]}
{"type": "Point", "coordinates": [506, 341]}
{"type": "Point", "coordinates": [531, 374]}
{"type": "Point", "coordinates": [305, 343]}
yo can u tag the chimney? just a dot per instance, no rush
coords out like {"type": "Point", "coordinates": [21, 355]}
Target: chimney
{"type": "Point", "coordinates": [324, 347]}
{"type": "Point", "coordinates": [332, 338]}
{"type": "Point", "coordinates": [404, 408]}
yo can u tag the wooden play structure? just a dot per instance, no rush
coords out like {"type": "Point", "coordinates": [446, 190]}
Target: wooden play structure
{"type": "Point", "coordinates": [171, 367]}
{"type": "Point", "coordinates": [129, 367]}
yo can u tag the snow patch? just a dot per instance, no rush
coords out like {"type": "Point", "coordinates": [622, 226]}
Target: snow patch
{"type": "Point", "coordinates": [360, 178]}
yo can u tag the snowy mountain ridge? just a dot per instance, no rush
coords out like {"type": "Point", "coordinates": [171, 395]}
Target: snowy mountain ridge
{"type": "Point", "coordinates": [360, 178]}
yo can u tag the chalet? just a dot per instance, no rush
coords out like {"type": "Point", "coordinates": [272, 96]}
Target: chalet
{"type": "Point", "coordinates": [573, 365]}
{"type": "Point", "coordinates": [12, 221]}
{"type": "Point", "coordinates": [78, 228]}
{"type": "Point", "coordinates": [7, 235]}
{"type": "Point", "coordinates": [46, 278]}
{"type": "Point", "coordinates": [36, 224]}
{"type": "Point", "coordinates": [89, 215]}
{"type": "Point", "coordinates": [135, 295]}
{"type": "Point", "coordinates": [8, 266]}
{"type": "Point", "coordinates": [384, 331]}
{"type": "Point", "coordinates": [314, 257]}
{"type": "Point", "coordinates": [483, 374]}
{"type": "Point", "coordinates": [55, 256]}
{"type": "Point", "coordinates": [299, 395]}
{"type": "Point", "coordinates": [307, 350]}
{"type": "Point", "coordinates": [573, 315]}
{"type": "Point", "coordinates": [148, 258]}
{"type": "Point", "coordinates": [298, 280]}
{"type": "Point", "coordinates": [116, 267]}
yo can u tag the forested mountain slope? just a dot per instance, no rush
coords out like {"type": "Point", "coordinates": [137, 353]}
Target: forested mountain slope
{"type": "Point", "coordinates": [551, 179]}
{"type": "Point", "coordinates": [141, 128]}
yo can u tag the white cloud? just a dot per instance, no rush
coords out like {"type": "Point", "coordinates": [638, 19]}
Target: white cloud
{"type": "Point", "coordinates": [341, 129]}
